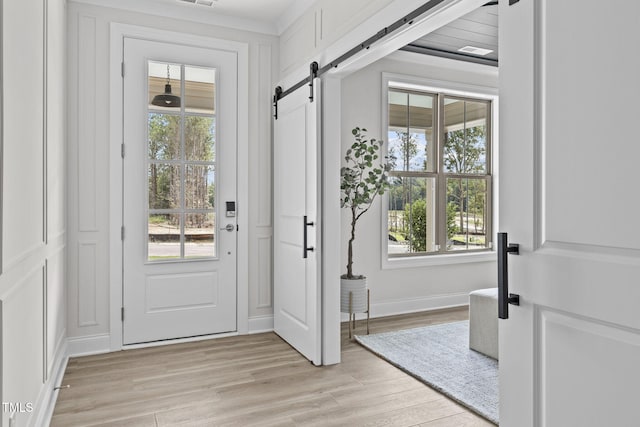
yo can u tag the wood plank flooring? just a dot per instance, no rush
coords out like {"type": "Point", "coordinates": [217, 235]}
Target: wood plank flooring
{"type": "Point", "coordinates": [255, 380]}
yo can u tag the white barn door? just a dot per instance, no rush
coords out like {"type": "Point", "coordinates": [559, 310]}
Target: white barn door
{"type": "Point", "coordinates": [297, 292]}
{"type": "Point", "coordinates": [569, 151]}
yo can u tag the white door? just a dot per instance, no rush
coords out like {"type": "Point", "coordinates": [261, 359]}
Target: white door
{"type": "Point", "coordinates": [297, 295]}
{"type": "Point", "coordinates": [179, 189]}
{"type": "Point", "coordinates": [569, 91]}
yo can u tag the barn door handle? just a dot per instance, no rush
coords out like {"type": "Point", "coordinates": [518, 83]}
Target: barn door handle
{"type": "Point", "coordinates": [305, 248]}
{"type": "Point", "coordinates": [504, 297]}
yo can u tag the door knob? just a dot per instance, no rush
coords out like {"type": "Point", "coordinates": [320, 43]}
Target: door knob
{"type": "Point", "coordinates": [229, 227]}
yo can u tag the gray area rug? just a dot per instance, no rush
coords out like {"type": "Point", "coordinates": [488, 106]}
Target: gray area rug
{"type": "Point", "coordinates": [439, 355]}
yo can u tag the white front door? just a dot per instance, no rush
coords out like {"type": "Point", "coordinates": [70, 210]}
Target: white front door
{"type": "Point", "coordinates": [179, 234]}
{"type": "Point", "coordinates": [569, 90]}
{"type": "Point", "coordinates": [297, 294]}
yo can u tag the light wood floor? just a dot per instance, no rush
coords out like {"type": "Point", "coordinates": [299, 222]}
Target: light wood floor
{"type": "Point", "coordinates": [254, 380]}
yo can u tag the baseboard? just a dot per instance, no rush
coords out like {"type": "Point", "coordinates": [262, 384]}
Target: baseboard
{"type": "Point", "coordinates": [85, 346]}
{"type": "Point", "coordinates": [43, 409]}
{"type": "Point", "coordinates": [260, 324]}
{"type": "Point", "coordinates": [413, 305]}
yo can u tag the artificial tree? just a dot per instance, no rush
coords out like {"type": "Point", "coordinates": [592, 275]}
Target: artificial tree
{"type": "Point", "coordinates": [363, 178]}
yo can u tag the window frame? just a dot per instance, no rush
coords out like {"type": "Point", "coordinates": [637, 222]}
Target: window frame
{"type": "Point", "coordinates": [457, 91]}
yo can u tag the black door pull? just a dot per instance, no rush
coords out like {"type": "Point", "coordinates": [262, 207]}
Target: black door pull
{"type": "Point", "coordinates": [305, 248]}
{"type": "Point", "coordinates": [504, 297]}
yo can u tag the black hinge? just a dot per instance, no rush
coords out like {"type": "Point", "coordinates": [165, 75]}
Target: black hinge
{"type": "Point", "coordinates": [512, 2]}
{"type": "Point", "coordinates": [122, 150]}
{"type": "Point", "coordinates": [122, 69]}
{"type": "Point", "coordinates": [122, 313]}
{"type": "Point", "coordinates": [313, 73]}
{"type": "Point", "coordinates": [122, 233]}
{"type": "Point", "coordinates": [276, 98]}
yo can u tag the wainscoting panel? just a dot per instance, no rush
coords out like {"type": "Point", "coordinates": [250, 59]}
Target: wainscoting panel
{"type": "Point", "coordinates": [263, 160]}
{"type": "Point", "coordinates": [87, 283]}
{"type": "Point", "coordinates": [55, 306]}
{"type": "Point", "coordinates": [23, 337]}
{"type": "Point", "coordinates": [87, 99]}
{"type": "Point", "coordinates": [265, 299]}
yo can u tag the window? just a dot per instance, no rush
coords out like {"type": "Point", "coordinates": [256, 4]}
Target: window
{"type": "Point", "coordinates": [181, 164]}
{"type": "Point", "coordinates": [440, 196]}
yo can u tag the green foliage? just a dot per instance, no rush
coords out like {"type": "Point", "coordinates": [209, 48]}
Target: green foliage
{"type": "Point", "coordinates": [362, 179]}
{"type": "Point", "coordinates": [452, 228]}
{"type": "Point", "coordinates": [416, 227]}
{"type": "Point", "coordinates": [164, 143]}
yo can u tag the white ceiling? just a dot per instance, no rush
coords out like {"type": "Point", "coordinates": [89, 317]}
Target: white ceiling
{"type": "Point", "coordinates": [278, 12]}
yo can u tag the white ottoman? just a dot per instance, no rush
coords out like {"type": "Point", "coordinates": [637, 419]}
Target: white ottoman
{"type": "Point", "coordinates": [483, 321]}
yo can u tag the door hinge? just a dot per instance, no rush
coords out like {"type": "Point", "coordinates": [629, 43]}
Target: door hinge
{"type": "Point", "coordinates": [512, 2]}
{"type": "Point", "coordinates": [122, 313]}
{"type": "Point", "coordinates": [122, 150]}
{"type": "Point", "coordinates": [122, 233]}
{"type": "Point", "coordinates": [122, 69]}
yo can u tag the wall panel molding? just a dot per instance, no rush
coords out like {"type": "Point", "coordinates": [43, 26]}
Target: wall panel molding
{"type": "Point", "coordinates": [264, 139]}
{"type": "Point", "coordinates": [87, 283]}
{"type": "Point", "coordinates": [87, 125]}
{"type": "Point", "coordinates": [264, 279]}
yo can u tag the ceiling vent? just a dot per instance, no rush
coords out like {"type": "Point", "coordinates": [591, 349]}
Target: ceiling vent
{"type": "Point", "coordinates": [199, 2]}
{"type": "Point", "coordinates": [475, 50]}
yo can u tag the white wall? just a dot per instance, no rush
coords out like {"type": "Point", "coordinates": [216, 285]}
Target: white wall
{"type": "Point", "coordinates": [32, 255]}
{"type": "Point", "coordinates": [89, 163]}
{"type": "Point", "coordinates": [405, 289]}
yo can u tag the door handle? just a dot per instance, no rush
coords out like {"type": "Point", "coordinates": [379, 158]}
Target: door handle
{"type": "Point", "coordinates": [504, 297]}
{"type": "Point", "coordinates": [228, 227]}
{"type": "Point", "coordinates": [305, 248]}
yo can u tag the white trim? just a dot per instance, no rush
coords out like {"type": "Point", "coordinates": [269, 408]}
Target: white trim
{"type": "Point", "coordinates": [117, 34]}
{"type": "Point", "coordinates": [330, 184]}
{"type": "Point", "coordinates": [449, 88]}
{"type": "Point", "coordinates": [414, 305]}
{"type": "Point", "coordinates": [48, 396]}
{"type": "Point", "coordinates": [88, 345]}
{"type": "Point", "coordinates": [260, 324]}
{"type": "Point", "coordinates": [440, 259]}
{"type": "Point", "coordinates": [179, 341]}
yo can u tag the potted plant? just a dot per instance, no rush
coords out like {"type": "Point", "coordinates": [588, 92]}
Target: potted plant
{"type": "Point", "coordinates": [362, 179]}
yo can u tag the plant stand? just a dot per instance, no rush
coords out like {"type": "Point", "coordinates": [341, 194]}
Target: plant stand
{"type": "Point", "coordinates": [352, 315]}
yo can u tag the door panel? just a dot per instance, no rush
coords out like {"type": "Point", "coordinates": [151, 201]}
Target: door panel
{"type": "Point", "coordinates": [568, 353]}
{"type": "Point", "coordinates": [296, 279]}
{"type": "Point", "coordinates": [179, 170]}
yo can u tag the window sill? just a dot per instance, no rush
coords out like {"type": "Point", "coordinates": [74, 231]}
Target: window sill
{"type": "Point", "coordinates": [429, 260]}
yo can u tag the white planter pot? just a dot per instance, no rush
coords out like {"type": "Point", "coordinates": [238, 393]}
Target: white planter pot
{"type": "Point", "coordinates": [358, 288]}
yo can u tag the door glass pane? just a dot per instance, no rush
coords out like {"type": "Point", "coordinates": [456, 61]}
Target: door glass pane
{"type": "Point", "coordinates": [164, 237]}
{"type": "Point", "coordinates": [410, 134]}
{"type": "Point", "coordinates": [199, 138]}
{"type": "Point", "coordinates": [164, 186]}
{"type": "Point", "coordinates": [199, 234]}
{"type": "Point", "coordinates": [466, 214]}
{"type": "Point", "coordinates": [158, 80]}
{"type": "Point", "coordinates": [199, 188]}
{"type": "Point", "coordinates": [164, 136]}
{"type": "Point", "coordinates": [199, 93]}
{"type": "Point", "coordinates": [465, 142]}
{"type": "Point", "coordinates": [411, 215]}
